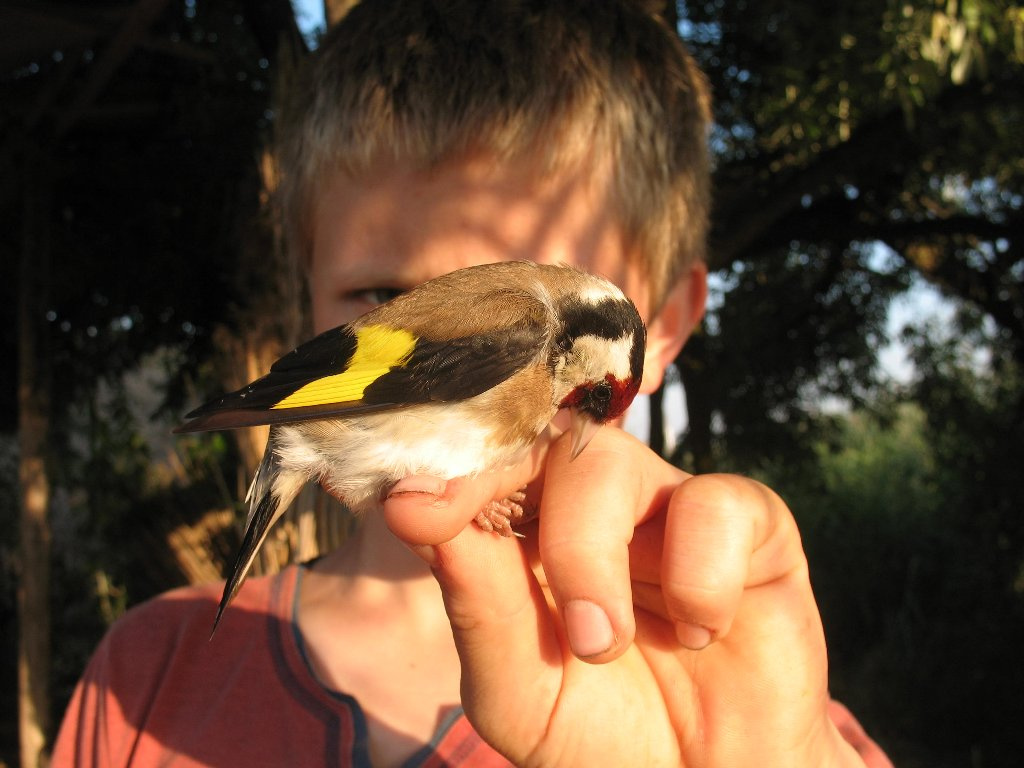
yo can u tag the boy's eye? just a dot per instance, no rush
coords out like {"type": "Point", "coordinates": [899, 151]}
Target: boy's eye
{"type": "Point", "coordinates": [374, 296]}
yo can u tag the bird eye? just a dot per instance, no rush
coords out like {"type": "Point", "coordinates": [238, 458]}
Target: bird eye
{"type": "Point", "coordinates": [602, 392]}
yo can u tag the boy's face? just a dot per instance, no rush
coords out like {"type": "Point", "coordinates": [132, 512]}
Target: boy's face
{"type": "Point", "coordinates": [394, 228]}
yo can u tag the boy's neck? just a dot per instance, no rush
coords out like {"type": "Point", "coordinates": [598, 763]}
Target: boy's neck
{"type": "Point", "coordinates": [373, 567]}
{"type": "Point", "coordinates": [374, 626]}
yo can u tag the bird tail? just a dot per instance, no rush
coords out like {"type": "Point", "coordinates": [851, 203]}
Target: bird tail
{"type": "Point", "coordinates": [270, 494]}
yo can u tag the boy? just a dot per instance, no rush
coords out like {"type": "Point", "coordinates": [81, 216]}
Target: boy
{"type": "Point", "coordinates": [647, 618]}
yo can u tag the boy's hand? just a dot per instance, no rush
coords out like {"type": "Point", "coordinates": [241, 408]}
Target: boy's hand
{"type": "Point", "coordinates": [649, 618]}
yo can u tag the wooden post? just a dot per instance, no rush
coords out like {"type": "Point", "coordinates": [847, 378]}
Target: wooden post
{"type": "Point", "coordinates": [33, 427]}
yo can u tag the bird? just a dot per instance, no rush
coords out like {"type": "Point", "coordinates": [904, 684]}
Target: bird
{"type": "Point", "coordinates": [455, 377]}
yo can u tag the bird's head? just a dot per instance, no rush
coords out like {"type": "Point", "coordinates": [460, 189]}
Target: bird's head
{"type": "Point", "coordinates": [598, 360]}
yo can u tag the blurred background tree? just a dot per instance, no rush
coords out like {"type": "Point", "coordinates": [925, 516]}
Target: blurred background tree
{"type": "Point", "coordinates": [869, 166]}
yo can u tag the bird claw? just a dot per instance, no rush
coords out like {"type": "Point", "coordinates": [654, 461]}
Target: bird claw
{"type": "Point", "coordinates": [499, 516]}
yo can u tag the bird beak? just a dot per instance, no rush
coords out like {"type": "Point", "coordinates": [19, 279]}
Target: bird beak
{"type": "Point", "coordinates": [583, 429]}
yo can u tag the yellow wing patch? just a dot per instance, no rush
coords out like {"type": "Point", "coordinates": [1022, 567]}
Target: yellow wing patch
{"type": "Point", "coordinates": [378, 350]}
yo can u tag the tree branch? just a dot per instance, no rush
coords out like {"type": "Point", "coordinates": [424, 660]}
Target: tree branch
{"type": "Point", "coordinates": [751, 200]}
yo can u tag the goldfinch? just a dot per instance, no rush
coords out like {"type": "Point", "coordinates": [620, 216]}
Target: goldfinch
{"type": "Point", "coordinates": [455, 377]}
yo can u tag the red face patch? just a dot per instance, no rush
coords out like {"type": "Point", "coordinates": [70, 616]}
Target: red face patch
{"type": "Point", "coordinates": [605, 400]}
{"type": "Point", "coordinates": [623, 393]}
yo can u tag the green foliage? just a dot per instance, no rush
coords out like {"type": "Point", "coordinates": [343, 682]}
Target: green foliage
{"type": "Point", "coordinates": [912, 526]}
{"type": "Point", "coordinates": [794, 76]}
{"type": "Point", "coordinates": [783, 340]}
{"type": "Point", "coordinates": [861, 148]}
{"type": "Point", "coordinates": [110, 519]}
{"type": "Point", "coordinates": [857, 148]}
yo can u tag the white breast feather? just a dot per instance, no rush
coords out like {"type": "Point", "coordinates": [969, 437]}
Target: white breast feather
{"type": "Point", "coordinates": [358, 458]}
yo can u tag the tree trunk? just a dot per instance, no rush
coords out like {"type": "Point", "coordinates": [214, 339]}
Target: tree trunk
{"type": "Point", "coordinates": [656, 438]}
{"type": "Point", "coordinates": [335, 10]}
{"type": "Point", "coordinates": [697, 385]}
{"type": "Point", "coordinates": [33, 426]}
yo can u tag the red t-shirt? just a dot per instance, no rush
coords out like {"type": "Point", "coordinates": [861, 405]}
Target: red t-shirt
{"type": "Point", "coordinates": [159, 691]}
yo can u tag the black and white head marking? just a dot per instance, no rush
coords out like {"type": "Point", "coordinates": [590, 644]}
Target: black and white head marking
{"type": "Point", "coordinates": [599, 354]}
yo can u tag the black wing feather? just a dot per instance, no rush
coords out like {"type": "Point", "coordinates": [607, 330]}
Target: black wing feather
{"type": "Point", "coordinates": [457, 369]}
{"type": "Point", "coordinates": [437, 371]}
{"type": "Point", "coordinates": [324, 354]}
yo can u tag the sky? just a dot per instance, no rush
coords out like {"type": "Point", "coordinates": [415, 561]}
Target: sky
{"type": "Point", "coordinates": [309, 14]}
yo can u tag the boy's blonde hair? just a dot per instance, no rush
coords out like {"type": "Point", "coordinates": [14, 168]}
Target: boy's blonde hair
{"type": "Point", "coordinates": [564, 82]}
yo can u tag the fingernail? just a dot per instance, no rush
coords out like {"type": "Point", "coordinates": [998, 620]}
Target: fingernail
{"type": "Point", "coordinates": [588, 628]}
{"type": "Point", "coordinates": [432, 486]}
{"type": "Point", "coordinates": [693, 636]}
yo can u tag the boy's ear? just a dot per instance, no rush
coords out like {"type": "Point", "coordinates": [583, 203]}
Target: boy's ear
{"type": "Point", "coordinates": [669, 329]}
